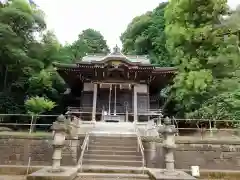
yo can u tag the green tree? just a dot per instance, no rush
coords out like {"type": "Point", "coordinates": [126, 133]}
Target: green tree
{"type": "Point", "coordinates": [65, 54]}
{"type": "Point", "coordinates": [19, 23]}
{"type": "Point", "coordinates": [36, 106]}
{"type": "Point", "coordinates": [50, 48]}
{"type": "Point", "coordinates": [145, 35]}
{"type": "Point", "coordinates": [27, 52]}
{"type": "Point", "coordinates": [40, 83]}
{"type": "Point", "coordinates": [208, 61]}
{"type": "Point", "coordinates": [89, 41]}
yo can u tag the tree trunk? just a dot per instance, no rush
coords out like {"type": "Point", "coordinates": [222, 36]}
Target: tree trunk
{"type": "Point", "coordinates": [33, 124]}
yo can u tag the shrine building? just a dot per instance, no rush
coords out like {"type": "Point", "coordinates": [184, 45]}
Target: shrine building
{"type": "Point", "coordinates": [114, 87]}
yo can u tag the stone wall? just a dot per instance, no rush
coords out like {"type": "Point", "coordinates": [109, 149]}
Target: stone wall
{"type": "Point", "coordinates": [208, 154]}
{"type": "Point", "coordinates": [17, 150]}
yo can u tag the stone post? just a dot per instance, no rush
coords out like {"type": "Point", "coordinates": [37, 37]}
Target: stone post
{"type": "Point", "coordinates": [94, 102]}
{"type": "Point", "coordinates": [60, 129]}
{"type": "Point", "coordinates": [135, 105]}
{"type": "Point", "coordinates": [74, 137]}
{"type": "Point", "coordinates": [168, 131]}
{"type": "Point", "coordinates": [126, 110]}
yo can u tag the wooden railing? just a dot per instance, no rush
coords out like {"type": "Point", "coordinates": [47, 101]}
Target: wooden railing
{"type": "Point", "coordinates": [88, 109]}
{"type": "Point", "coordinates": [84, 147]}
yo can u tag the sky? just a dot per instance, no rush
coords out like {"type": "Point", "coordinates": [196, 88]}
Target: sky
{"type": "Point", "coordinates": [111, 17]}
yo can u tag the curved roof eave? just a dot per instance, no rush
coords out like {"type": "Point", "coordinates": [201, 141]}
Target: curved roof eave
{"type": "Point", "coordinates": [64, 65]}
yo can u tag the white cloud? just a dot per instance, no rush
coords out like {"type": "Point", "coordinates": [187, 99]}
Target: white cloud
{"type": "Point", "coordinates": [111, 17]}
{"type": "Point", "coordinates": [233, 3]}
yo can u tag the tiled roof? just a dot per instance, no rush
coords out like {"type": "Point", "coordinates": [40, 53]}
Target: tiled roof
{"type": "Point", "coordinates": [90, 58]}
{"type": "Point", "coordinates": [116, 54]}
{"type": "Point", "coordinates": [131, 58]}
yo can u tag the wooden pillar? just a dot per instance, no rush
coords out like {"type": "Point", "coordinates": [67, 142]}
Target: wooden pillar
{"type": "Point", "coordinates": [109, 99]}
{"type": "Point", "coordinates": [94, 102]}
{"type": "Point", "coordinates": [115, 100]}
{"type": "Point", "coordinates": [148, 103]}
{"type": "Point", "coordinates": [135, 116]}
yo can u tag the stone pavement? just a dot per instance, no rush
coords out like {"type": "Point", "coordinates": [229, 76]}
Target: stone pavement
{"type": "Point", "coordinates": [11, 177]}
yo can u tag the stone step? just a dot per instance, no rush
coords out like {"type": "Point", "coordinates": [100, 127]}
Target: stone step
{"type": "Point", "coordinates": [113, 169]}
{"type": "Point", "coordinates": [114, 139]}
{"type": "Point", "coordinates": [112, 157]}
{"type": "Point", "coordinates": [110, 152]}
{"type": "Point", "coordinates": [112, 148]}
{"type": "Point", "coordinates": [112, 133]}
{"type": "Point", "coordinates": [127, 141]}
{"type": "Point", "coordinates": [120, 142]}
{"type": "Point", "coordinates": [111, 176]}
{"type": "Point", "coordinates": [114, 143]}
{"type": "Point", "coordinates": [109, 138]}
{"type": "Point", "coordinates": [112, 162]}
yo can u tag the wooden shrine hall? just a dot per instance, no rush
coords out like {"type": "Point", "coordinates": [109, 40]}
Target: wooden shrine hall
{"type": "Point", "coordinates": [114, 87]}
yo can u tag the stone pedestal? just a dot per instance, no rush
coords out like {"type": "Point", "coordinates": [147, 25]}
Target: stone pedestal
{"type": "Point", "coordinates": [160, 174]}
{"type": "Point", "coordinates": [68, 173]}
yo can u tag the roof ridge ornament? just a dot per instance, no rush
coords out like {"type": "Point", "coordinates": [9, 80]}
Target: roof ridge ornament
{"type": "Point", "coordinates": [116, 50]}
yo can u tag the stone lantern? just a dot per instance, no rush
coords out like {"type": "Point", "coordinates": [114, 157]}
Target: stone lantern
{"type": "Point", "coordinates": [60, 129]}
{"type": "Point", "coordinates": [168, 132]}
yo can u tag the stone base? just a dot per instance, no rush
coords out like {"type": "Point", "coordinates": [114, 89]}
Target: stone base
{"type": "Point", "coordinates": [69, 173]}
{"type": "Point", "coordinates": [159, 174]}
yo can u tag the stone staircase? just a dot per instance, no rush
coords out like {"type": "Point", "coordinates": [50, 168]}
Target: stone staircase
{"type": "Point", "coordinates": [112, 154]}
{"type": "Point", "coordinates": [114, 150]}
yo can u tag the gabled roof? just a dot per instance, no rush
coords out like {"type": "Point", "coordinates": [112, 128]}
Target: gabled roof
{"type": "Point", "coordinates": [134, 63]}
{"type": "Point", "coordinates": [116, 54]}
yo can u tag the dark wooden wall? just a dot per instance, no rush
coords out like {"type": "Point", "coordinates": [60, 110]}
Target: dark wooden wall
{"type": "Point", "coordinates": [123, 100]}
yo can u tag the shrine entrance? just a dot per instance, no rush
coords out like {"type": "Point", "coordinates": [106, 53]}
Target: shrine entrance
{"type": "Point", "coordinates": [115, 100]}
